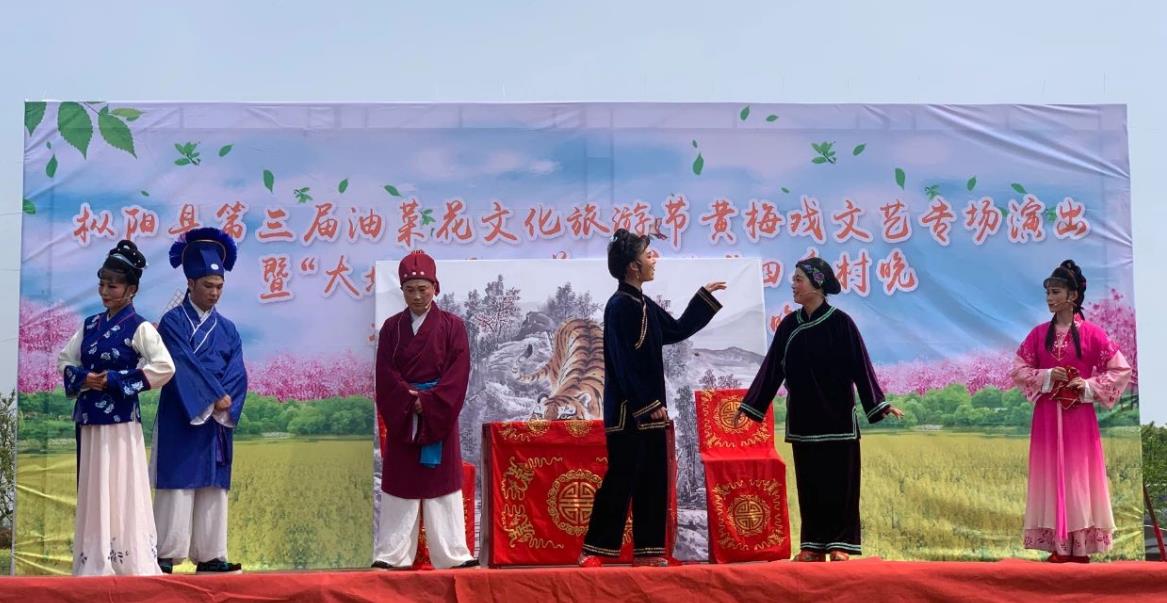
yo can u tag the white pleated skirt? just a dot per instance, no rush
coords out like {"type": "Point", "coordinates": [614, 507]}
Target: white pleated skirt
{"type": "Point", "coordinates": [115, 532]}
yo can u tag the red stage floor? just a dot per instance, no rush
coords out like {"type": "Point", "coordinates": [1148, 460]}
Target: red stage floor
{"type": "Point", "coordinates": [863, 580]}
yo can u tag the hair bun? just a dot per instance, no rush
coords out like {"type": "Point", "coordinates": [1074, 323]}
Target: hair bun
{"type": "Point", "coordinates": [129, 250]}
{"type": "Point", "coordinates": [623, 249]}
{"type": "Point", "coordinates": [1079, 282]}
{"type": "Point", "coordinates": [1073, 268]}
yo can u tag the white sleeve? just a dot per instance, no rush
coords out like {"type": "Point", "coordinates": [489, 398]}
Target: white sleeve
{"type": "Point", "coordinates": [207, 412]}
{"type": "Point", "coordinates": [71, 354]}
{"type": "Point", "coordinates": [1047, 381]}
{"type": "Point", "coordinates": [156, 362]}
{"type": "Point", "coordinates": [223, 417]}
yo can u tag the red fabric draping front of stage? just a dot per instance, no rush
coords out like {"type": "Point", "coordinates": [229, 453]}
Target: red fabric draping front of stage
{"type": "Point", "coordinates": [869, 579]}
{"type": "Point", "coordinates": [540, 480]}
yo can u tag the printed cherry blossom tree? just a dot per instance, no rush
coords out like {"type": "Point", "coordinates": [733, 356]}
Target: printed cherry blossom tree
{"type": "Point", "coordinates": [44, 330]}
{"type": "Point", "coordinates": [287, 377]}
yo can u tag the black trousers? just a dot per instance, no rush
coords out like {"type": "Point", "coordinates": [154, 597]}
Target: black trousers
{"type": "Point", "coordinates": [637, 475]}
{"type": "Point", "coordinates": [828, 495]}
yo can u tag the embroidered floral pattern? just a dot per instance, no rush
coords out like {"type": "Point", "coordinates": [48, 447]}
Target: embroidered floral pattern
{"type": "Point", "coordinates": [1079, 544]}
{"type": "Point", "coordinates": [107, 346]}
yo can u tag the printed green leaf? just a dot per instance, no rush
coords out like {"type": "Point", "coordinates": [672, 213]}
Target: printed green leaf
{"type": "Point", "coordinates": [392, 190]}
{"type": "Point", "coordinates": [28, 207]}
{"type": "Point", "coordinates": [745, 113]}
{"type": "Point", "coordinates": [145, 194]}
{"type": "Point", "coordinates": [343, 186]}
{"type": "Point", "coordinates": [785, 190]}
{"type": "Point", "coordinates": [698, 164]}
{"type": "Point", "coordinates": [269, 180]}
{"type": "Point", "coordinates": [858, 149]}
{"type": "Point", "coordinates": [694, 143]}
{"type": "Point", "coordinates": [75, 126]}
{"type": "Point", "coordinates": [51, 168]}
{"type": "Point", "coordinates": [1020, 189]}
{"type": "Point", "coordinates": [225, 149]}
{"type": "Point", "coordinates": [116, 133]}
{"type": "Point", "coordinates": [182, 161]}
{"type": "Point", "coordinates": [34, 112]}
{"type": "Point", "coordinates": [771, 118]}
{"type": "Point", "coordinates": [820, 159]}
{"type": "Point", "coordinates": [901, 177]}
{"type": "Point", "coordinates": [972, 183]}
{"type": "Point", "coordinates": [128, 113]}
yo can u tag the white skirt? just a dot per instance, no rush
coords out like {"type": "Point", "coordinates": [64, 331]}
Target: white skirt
{"type": "Point", "coordinates": [115, 532]}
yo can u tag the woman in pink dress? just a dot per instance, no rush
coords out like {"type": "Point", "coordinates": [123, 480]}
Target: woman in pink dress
{"type": "Point", "coordinates": [1065, 367]}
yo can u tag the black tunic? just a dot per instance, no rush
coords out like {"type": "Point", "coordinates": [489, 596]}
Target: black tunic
{"type": "Point", "coordinates": [823, 361]}
{"type": "Point", "coordinates": [635, 331]}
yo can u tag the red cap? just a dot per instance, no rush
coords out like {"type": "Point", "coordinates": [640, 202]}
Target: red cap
{"type": "Point", "coordinates": [419, 265]}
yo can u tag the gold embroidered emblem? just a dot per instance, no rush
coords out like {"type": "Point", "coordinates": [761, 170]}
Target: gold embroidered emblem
{"type": "Point", "coordinates": [570, 499]}
{"type": "Point", "coordinates": [749, 515]}
{"type": "Point", "coordinates": [525, 431]}
{"type": "Point", "coordinates": [725, 413]}
{"type": "Point", "coordinates": [578, 428]}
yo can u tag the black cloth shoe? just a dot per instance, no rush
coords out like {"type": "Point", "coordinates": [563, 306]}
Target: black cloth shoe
{"type": "Point", "coordinates": [381, 565]}
{"type": "Point", "coordinates": [218, 566]}
{"type": "Point", "coordinates": [166, 565]}
{"type": "Point", "coordinates": [471, 563]}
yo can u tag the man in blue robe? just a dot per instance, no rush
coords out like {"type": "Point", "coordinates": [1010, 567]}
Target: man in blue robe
{"type": "Point", "coordinates": [198, 410]}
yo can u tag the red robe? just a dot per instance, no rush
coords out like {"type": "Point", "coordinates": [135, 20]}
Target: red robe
{"type": "Point", "coordinates": [440, 351]}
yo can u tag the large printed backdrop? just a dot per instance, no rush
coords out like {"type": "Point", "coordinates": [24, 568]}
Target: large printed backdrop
{"type": "Point", "coordinates": [537, 350]}
{"type": "Point", "coordinates": [941, 220]}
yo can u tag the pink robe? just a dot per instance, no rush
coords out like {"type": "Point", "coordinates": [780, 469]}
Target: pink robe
{"type": "Point", "coordinates": [1068, 506]}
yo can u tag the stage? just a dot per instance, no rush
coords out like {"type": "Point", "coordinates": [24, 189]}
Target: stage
{"type": "Point", "coordinates": [870, 579]}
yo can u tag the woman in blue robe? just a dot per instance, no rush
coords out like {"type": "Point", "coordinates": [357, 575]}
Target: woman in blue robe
{"type": "Point", "coordinates": [114, 356]}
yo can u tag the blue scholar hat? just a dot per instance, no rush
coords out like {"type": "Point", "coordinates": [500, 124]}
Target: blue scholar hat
{"type": "Point", "coordinates": [203, 252]}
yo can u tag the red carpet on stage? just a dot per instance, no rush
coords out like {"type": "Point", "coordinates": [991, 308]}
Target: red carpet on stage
{"type": "Point", "coordinates": [869, 580]}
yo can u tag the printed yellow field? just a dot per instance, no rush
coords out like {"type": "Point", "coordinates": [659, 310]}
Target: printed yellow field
{"type": "Point", "coordinates": [961, 496]}
{"type": "Point", "coordinates": [294, 503]}
{"type": "Point", "coordinates": [304, 504]}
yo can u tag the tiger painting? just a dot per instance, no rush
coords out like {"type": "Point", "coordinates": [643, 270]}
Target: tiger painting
{"type": "Point", "coordinates": [575, 372]}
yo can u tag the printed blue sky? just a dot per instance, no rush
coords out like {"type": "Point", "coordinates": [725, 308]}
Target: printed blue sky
{"type": "Point", "coordinates": [969, 296]}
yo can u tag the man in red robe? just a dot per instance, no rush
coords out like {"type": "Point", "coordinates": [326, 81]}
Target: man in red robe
{"type": "Point", "coordinates": [422, 372]}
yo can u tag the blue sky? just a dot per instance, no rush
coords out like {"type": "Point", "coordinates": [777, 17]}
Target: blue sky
{"type": "Point", "coordinates": [755, 52]}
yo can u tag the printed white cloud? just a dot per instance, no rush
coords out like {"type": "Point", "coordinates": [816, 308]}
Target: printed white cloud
{"type": "Point", "coordinates": [442, 164]}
